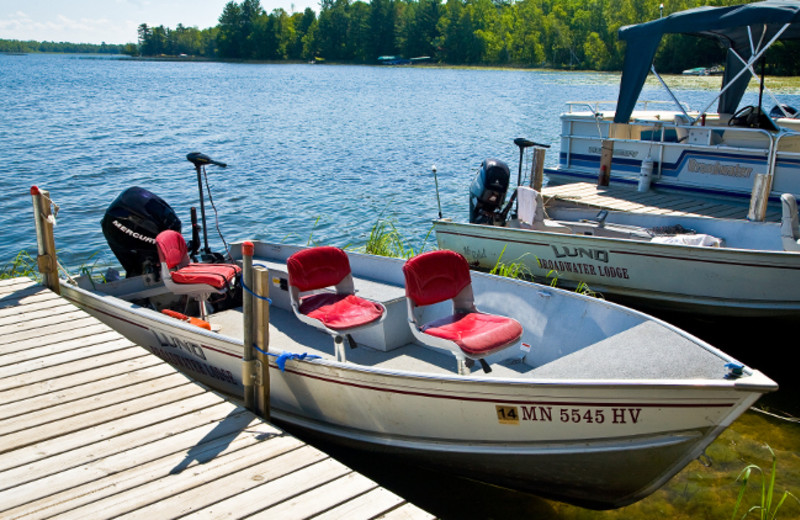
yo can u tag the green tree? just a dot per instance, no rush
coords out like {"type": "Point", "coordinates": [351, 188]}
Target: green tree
{"type": "Point", "coordinates": [229, 36]}
{"type": "Point", "coordinates": [596, 52]}
{"type": "Point", "coordinates": [332, 28]}
{"type": "Point", "coordinates": [381, 28]}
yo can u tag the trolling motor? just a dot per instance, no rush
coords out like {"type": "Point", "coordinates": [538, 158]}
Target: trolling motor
{"type": "Point", "coordinates": [200, 160]}
{"type": "Point", "coordinates": [522, 144]}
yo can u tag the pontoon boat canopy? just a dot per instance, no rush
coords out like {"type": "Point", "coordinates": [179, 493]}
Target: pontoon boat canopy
{"type": "Point", "coordinates": [728, 25]}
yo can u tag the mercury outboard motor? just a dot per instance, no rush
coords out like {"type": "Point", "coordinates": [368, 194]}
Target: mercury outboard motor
{"type": "Point", "coordinates": [131, 224]}
{"type": "Point", "coordinates": [488, 192]}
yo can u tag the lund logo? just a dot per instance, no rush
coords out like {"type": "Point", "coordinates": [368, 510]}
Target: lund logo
{"type": "Point", "coordinates": [180, 344]}
{"type": "Point", "coordinates": [580, 252]}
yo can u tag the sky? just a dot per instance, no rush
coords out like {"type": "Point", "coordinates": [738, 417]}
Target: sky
{"type": "Point", "coordinates": [113, 21]}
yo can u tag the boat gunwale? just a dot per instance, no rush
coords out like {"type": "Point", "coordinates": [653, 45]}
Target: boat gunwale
{"type": "Point", "coordinates": [658, 246]}
{"type": "Point", "coordinates": [742, 384]}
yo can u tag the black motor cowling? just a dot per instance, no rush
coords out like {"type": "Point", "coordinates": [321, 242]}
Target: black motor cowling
{"type": "Point", "coordinates": [131, 224]}
{"type": "Point", "coordinates": [488, 191]}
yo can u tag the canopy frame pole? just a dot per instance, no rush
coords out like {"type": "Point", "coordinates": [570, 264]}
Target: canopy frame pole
{"type": "Point", "coordinates": [748, 65]}
{"type": "Point", "coordinates": [764, 88]}
{"type": "Point", "coordinates": [669, 91]}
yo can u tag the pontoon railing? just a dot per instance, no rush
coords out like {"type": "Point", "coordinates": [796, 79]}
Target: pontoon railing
{"type": "Point", "coordinates": [594, 106]}
{"type": "Point", "coordinates": [659, 142]}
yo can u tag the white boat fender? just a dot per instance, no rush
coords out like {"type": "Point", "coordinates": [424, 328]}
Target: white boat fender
{"type": "Point", "coordinates": [735, 370]}
{"type": "Point", "coordinates": [645, 175]}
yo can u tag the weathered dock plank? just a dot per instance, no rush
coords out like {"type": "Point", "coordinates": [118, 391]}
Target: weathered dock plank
{"type": "Point", "coordinates": [626, 198]}
{"type": "Point", "coordinates": [92, 426]}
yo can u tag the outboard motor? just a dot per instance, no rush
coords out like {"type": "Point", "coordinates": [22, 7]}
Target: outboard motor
{"type": "Point", "coordinates": [488, 192]}
{"type": "Point", "coordinates": [131, 224]}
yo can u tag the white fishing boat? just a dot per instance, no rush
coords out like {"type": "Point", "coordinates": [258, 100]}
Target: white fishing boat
{"type": "Point", "coordinates": [696, 265]}
{"type": "Point", "coordinates": [665, 261]}
{"type": "Point", "coordinates": [547, 391]}
{"type": "Point", "coordinates": [736, 152]}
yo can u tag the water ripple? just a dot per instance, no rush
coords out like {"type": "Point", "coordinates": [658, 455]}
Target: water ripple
{"type": "Point", "coordinates": [313, 151]}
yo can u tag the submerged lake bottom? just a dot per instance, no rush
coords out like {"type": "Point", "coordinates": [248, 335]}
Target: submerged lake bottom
{"type": "Point", "coordinates": [707, 489]}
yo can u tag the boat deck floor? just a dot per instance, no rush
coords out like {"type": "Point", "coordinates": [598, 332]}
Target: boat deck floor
{"type": "Point", "coordinates": [627, 198]}
{"type": "Point", "coordinates": [645, 351]}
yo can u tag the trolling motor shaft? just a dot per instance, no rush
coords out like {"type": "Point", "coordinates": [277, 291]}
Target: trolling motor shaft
{"type": "Point", "coordinates": [200, 160]}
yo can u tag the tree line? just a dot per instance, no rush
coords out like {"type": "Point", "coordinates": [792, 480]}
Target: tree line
{"type": "Point", "coordinates": [29, 46]}
{"type": "Point", "coordinates": [565, 34]}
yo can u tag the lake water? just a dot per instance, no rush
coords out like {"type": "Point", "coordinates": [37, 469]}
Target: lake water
{"type": "Point", "coordinates": [320, 153]}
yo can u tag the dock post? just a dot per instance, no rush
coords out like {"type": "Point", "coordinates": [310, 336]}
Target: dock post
{"type": "Point", "coordinates": [261, 323]}
{"type": "Point", "coordinates": [759, 197]}
{"type": "Point", "coordinates": [537, 168]}
{"type": "Point", "coordinates": [248, 369]}
{"type": "Point", "coordinates": [606, 156]}
{"type": "Point", "coordinates": [45, 239]}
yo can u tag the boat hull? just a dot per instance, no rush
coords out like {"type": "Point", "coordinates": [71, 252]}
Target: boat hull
{"type": "Point", "coordinates": [596, 443]}
{"type": "Point", "coordinates": [708, 280]}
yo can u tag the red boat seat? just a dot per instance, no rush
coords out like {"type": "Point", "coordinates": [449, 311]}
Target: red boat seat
{"type": "Point", "coordinates": [471, 335]}
{"type": "Point", "coordinates": [339, 312]}
{"type": "Point", "coordinates": [197, 280]}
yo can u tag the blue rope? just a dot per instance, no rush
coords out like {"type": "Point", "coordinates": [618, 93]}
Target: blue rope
{"type": "Point", "coordinates": [286, 356]}
{"type": "Point", "coordinates": [246, 288]}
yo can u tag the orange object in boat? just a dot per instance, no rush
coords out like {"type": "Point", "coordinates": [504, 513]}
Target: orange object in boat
{"type": "Point", "coordinates": [190, 319]}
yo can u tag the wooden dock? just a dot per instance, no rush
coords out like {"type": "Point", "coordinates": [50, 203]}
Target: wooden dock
{"type": "Point", "coordinates": [627, 198]}
{"type": "Point", "coordinates": [93, 426]}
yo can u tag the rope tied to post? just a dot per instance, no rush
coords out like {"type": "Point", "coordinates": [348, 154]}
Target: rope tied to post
{"type": "Point", "coordinates": [284, 356]}
{"type": "Point", "coordinates": [46, 196]}
{"type": "Point", "coordinates": [246, 288]}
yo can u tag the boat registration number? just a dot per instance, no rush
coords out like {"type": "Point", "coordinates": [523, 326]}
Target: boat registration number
{"type": "Point", "coordinates": [576, 415]}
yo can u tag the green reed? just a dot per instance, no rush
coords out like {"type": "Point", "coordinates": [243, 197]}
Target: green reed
{"type": "Point", "coordinates": [385, 240]}
{"type": "Point", "coordinates": [22, 265]}
{"type": "Point", "coordinates": [516, 270]}
{"type": "Point", "coordinates": [764, 508]}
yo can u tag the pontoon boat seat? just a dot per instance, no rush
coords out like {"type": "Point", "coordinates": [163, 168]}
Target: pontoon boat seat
{"type": "Point", "coordinates": [681, 132]}
{"type": "Point", "coordinates": [790, 229]}
{"type": "Point", "coordinates": [196, 280]}
{"type": "Point", "coordinates": [339, 312]}
{"type": "Point", "coordinates": [471, 335]}
{"type": "Point", "coordinates": [531, 212]}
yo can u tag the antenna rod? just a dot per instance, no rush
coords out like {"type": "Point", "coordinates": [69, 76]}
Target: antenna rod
{"type": "Point", "coordinates": [438, 200]}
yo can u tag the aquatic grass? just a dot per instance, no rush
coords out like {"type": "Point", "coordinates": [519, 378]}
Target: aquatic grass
{"type": "Point", "coordinates": [22, 265]}
{"type": "Point", "coordinates": [516, 269]}
{"type": "Point", "coordinates": [581, 288]}
{"type": "Point", "coordinates": [92, 270]}
{"type": "Point", "coordinates": [764, 509]}
{"type": "Point", "coordinates": [385, 240]}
